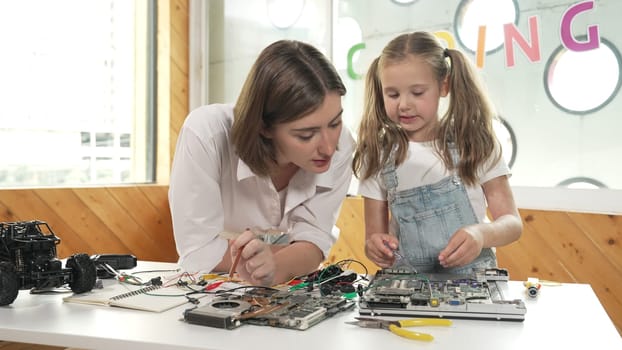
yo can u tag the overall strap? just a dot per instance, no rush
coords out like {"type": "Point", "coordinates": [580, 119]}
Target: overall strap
{"type": "Point", "coordinates": [455, 160]}
{"type": "Point", "coordinates": [455, 157]}
{"type": "Point", "coordinates": [389, 175]}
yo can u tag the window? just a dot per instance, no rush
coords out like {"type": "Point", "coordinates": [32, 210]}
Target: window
{"type": "Point", "coordinates": [74, 87]}
{"type": "Point", "coordinates": [582, 182]}
{"type": "Point", "coordinates": [284, 13]}
{"type": "Point", "coordinates": [583, 82]}
{"type": "Point", "coordinates": [238, 30]}
{"type": "Point", "coordinates": [472, 14]}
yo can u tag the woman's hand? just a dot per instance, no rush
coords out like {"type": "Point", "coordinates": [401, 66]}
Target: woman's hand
{"type": "Point", "coordinates": [379, 249]}
{"type": "Point", "coordinates": [463, 247]}
{"type": "Point", "coordinates": [256, 265]}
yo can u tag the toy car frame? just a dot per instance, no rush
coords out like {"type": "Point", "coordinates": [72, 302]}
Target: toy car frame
{"type": "Point", "coordinates": [28, 260]}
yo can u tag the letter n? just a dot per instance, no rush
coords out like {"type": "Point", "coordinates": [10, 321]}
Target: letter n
{"type": "Point", "coordinates": [512, 35]}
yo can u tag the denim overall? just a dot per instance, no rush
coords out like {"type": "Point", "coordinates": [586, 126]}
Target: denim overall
{"type": "Point", "coordinates": [425, 217]}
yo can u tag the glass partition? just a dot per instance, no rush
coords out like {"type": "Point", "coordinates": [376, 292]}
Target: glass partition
{"type": "Point", "coordinates": [552, 68]}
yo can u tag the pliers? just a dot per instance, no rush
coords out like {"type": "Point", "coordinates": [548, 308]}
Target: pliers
{"type": "Point", "coordinates": [397, 327]}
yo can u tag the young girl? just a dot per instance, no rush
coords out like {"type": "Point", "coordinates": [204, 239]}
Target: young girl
{"type": "Point", "coordinates": [432, 178]}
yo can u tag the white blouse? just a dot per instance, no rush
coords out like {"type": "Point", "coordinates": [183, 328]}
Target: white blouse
{"type": "Point", "coordinates": [213, 191]}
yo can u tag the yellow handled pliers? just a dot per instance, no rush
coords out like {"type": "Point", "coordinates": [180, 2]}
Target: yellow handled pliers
{"type": "Point", "coordinates": [397, 327]}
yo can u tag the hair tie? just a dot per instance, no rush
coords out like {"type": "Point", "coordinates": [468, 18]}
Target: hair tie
{"type": "Point", "coordinates": [446, 52]}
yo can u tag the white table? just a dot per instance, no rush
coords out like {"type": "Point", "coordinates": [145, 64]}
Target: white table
{"type": "Point", "coordinates": [562, 317]}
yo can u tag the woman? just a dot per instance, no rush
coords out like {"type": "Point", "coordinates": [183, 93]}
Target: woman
{"type": "Point", "coordinates": [277, 160]}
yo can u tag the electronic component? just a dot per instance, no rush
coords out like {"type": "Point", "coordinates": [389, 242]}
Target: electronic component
{"type": "Point", "coordinates": [105, 262]}
{"type": "Point", "coordinates": [297, 310]}
{"type": "Point", "coordinates": [479, 295]}
{"type": "Point", "coordinates": [116, 261]}
{"type": "Point", "coordinates": [218, 314]}
{"type": "Point", "coordinates": [532, 287]}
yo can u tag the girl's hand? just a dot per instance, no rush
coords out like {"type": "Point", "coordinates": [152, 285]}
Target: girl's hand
{"type": "Point", "coordinates": [463, 247]}
{"type": "Point", "coordinates": [378, 249]}
{"type": "Point", "coordinates": [256, 265]}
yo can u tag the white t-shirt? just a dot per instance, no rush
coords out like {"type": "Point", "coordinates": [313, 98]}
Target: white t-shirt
{"type": "Point", "coordinates": [423, 167]}
{"type": "Point", "coordinates": [212, 190]}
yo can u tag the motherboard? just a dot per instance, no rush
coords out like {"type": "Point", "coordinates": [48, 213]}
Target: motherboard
{"type": "Point", "coordinates": [297, 310]}
{"type": "Point", "coordinates": [480, 295]}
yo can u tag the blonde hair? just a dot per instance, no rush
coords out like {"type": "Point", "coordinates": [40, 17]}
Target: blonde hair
{"type": "Point", "coordinates": [289, 80]}
{"type": "Point", "coordinates": [467, 123]}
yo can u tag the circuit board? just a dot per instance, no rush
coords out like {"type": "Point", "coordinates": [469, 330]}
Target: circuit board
{"type": "Point", "coordinates": [297, 310]}
{"type": "Point", "coordinates": [480, 295]}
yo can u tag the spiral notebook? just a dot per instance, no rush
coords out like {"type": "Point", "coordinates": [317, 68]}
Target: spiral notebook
{"type": "Point", "coordinates": [155, 298]}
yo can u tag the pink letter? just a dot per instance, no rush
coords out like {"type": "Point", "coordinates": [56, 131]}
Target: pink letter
{"type": "Point", "coordinates": [593, 39]}
{"type": "Point", "coordinates": [511, 34]}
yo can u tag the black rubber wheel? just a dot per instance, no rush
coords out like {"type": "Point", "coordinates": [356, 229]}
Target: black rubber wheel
{"type": "Point", "coordinates": [83, 273]}
{"type": "Point", "coordinates": [9, 287]}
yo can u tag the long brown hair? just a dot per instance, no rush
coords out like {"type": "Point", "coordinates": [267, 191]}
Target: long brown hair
{"type": "Point", "coordinates": [467, 123]}
{"type": "Point", "coordinates": [289, 80]}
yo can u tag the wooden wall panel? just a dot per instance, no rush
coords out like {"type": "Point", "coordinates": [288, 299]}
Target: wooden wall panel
{"type": "Point", "coordinates": [351, 224]}
{"type": "Point", "coordinates": [570, 247]}
{"type": "Point", "coordinates": [99, 220]}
